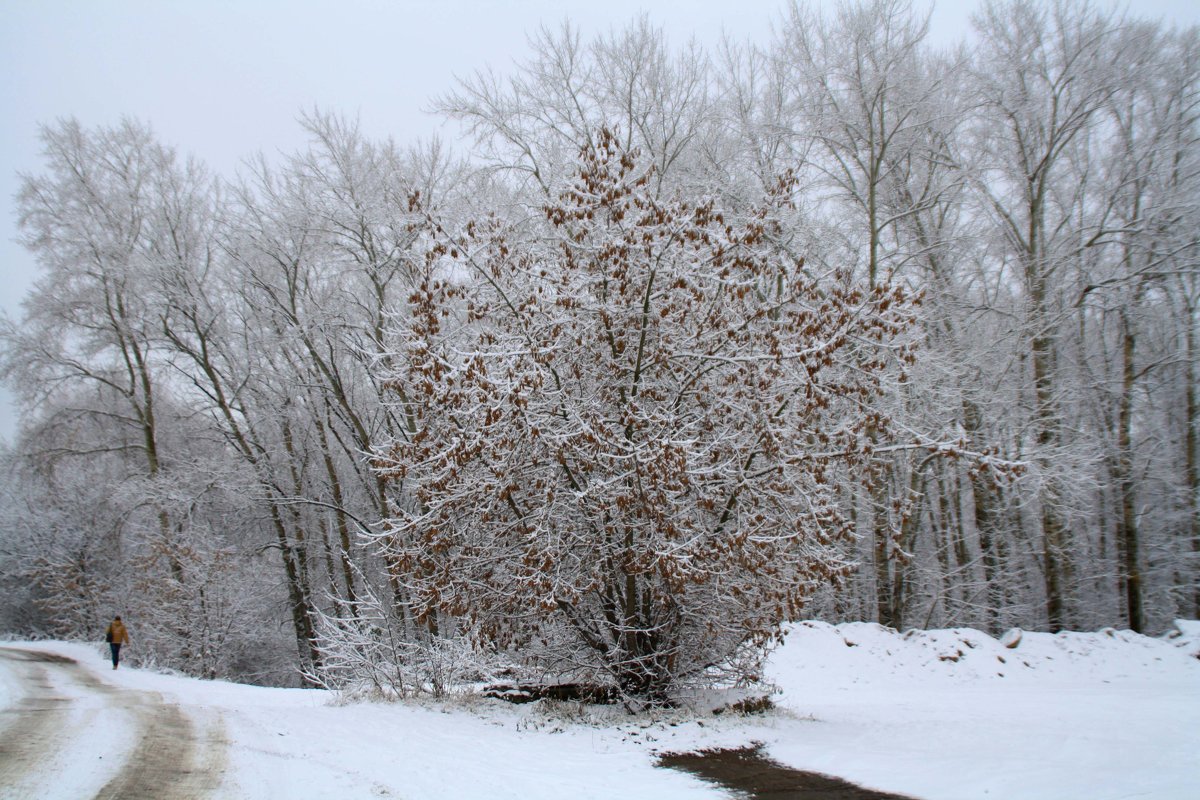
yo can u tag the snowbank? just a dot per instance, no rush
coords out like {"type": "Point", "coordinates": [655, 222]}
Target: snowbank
{"type": "Point", "coordinates": [866, 652]}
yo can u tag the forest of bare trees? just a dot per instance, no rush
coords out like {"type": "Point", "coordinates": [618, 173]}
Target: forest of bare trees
{"type": "Point", "coordinates": [672, 347]}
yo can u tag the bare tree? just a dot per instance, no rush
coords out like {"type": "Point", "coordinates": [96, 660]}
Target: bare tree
{"type": "Point", "coordinates": [1041, 75]}
{"type": "Point", "coordinates": [881, 114]}
{"type": "Point", "coordinates": [532, 124]}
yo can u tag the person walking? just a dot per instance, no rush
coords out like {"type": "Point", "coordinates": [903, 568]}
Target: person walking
{"type": "Point", "coordinates": [116, 636]}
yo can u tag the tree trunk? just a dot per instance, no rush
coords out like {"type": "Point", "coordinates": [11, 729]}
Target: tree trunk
{"type": "Point", "coordinates": [1192, 420]}
{"type": "Point", "coordinates": [298, 603]}
{"type": "Point", "coordinates": [338, 502]}
{"type": "Point", "coordinates": [1055, 561]}
{"type": "Point", "coordinates": [1127, 531]}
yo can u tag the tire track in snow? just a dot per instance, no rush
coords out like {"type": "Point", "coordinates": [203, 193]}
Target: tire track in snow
{"type": "Point", "coordinates": [171, 761]}
{"type": "Point", "coordinates": [31, 728]}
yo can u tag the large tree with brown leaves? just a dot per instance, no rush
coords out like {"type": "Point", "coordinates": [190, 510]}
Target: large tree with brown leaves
{"type": "Point", "coordinates": [627, 433]}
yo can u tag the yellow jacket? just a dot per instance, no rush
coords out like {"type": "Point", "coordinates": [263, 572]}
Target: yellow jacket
{"type": "Point", "coordinates": [116, 633]}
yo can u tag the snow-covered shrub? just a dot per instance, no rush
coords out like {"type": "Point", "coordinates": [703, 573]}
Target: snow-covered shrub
{"type": "Point", "coordinates": [365, 649]}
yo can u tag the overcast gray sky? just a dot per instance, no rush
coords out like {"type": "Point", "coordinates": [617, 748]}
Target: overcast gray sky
{"type": "Point", "coordinates": [223, 79]}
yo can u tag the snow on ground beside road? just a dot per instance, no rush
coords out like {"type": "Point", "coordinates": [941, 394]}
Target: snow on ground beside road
{"type": "Point", "coordinates": [941, 714]}
{"type": "Point", "coordinates": [955, 714]}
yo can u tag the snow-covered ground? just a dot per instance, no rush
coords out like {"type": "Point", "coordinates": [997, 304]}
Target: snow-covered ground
{"type": "Point", "coordinates": [955, 714]}
{"type": "Point", "coordinates": [942, 714]}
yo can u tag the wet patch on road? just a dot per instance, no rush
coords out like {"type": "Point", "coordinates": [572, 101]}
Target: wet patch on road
{"type": "Point", "coordinates": [751, 774]}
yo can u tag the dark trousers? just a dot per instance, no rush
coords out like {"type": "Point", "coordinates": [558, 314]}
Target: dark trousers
{"type": "Point", "coordinates": [116, 652]}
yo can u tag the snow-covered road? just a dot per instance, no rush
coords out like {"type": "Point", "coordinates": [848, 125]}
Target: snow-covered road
{"type": "Point", "coordinates": [67, 733]}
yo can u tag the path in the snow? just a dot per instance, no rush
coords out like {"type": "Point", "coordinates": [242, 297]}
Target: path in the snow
{"type": "Point", "coordinates": [65, 715]}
